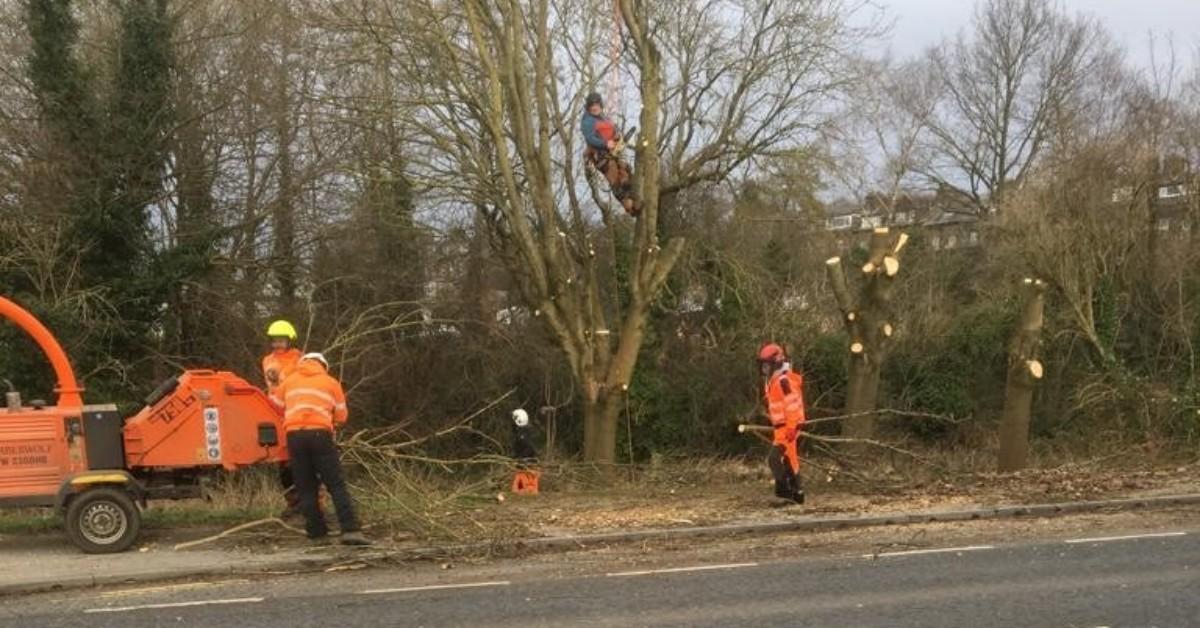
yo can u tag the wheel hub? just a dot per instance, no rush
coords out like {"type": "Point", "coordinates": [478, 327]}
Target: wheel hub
{"type": "Point", "coordinates": [103, 523]}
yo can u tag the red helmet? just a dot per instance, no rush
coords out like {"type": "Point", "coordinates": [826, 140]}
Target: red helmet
{"type": "Point", "coordinates": [771, 352]}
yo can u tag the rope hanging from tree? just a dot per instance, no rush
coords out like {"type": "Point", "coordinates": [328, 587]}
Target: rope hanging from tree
{"type": "Point", "coordinates": [613, 97]}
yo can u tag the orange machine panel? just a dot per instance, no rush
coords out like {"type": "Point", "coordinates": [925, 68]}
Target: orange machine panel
{"type": "Point", "coordinates": [209, 419]}
{"type": "Point", "coordinates": [38, 448]}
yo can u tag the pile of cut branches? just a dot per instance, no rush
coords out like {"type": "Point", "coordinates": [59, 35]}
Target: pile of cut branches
{"type": "Point", "coordinates": [404, 490]}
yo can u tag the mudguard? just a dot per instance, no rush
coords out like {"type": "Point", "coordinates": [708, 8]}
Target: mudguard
{"type": "Point", "coordinates": [79, 482]}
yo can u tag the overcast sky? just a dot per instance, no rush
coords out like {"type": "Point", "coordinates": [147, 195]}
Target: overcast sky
{"type": "Point", "coordinates": [921, 23]}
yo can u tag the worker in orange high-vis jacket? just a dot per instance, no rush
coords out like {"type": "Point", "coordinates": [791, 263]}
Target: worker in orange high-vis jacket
{"type": "Point", "coordinates": [276, 366]}
{"type": "Point", "coordinates": [314, 404]}
{"type": "Point", "coordinates": [785, 408]}
{"type": "Point", "coordinates": [284, 355]}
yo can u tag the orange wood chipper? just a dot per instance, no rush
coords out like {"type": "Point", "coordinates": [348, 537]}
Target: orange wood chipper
{"type": "Point", "coordinates": [99, 468]}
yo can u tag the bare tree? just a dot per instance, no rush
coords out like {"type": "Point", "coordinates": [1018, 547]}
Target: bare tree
{"type": "Point", "coordinates": [496, 88]}
{"type": "Point", "coordinates": [1019, 72]}
{"type": "Point", "coordinates": [888, 144]}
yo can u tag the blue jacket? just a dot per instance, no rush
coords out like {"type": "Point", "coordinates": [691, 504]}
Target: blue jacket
{"type": "Point", "coordinates": [588, 124]}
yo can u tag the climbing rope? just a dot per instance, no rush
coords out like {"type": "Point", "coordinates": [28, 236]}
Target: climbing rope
{"type": "Point", "coordinates": [613, 98]}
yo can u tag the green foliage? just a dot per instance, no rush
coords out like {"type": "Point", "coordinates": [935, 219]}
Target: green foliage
{"type": "Point", "coordinates": [1107, 313]}
{"type": "Point", "coordinates": [108, 146]}
{"type": "Point", "coordinates": [22, 364]}
{"type": "Point", "coordinates": [1183, 422]}
{"type": "Point", "coordinates": [958, 374]}
{"type": "Point", "coordinates": [61, 84]}
{"type": "Point", "coordinates": [823, 363]}
{"type": "Point", "coordinates": [115, 233]}
{"type": "Point", "coordinates": [661, 408]}
{"type": "Point", "coordinates": [139, 121]}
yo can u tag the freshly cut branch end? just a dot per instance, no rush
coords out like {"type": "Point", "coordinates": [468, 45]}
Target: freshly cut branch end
{"type": "Point", "coordinates": [857, 348]}
{"type": "Point", "coordinates": [1036, 370]}
{"type": "Point", "coordinates": [891, 266]}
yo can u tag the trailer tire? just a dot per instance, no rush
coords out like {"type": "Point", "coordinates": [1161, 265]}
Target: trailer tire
{"type": "Point", "coordinates": [103, 520]}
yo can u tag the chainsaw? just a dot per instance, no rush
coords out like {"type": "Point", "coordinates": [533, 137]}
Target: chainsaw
{"type": "Point", "coordinates": [623, 140]}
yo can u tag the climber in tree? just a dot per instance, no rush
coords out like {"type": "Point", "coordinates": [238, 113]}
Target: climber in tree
{"type": "Point", "coordinates": [604, 146]}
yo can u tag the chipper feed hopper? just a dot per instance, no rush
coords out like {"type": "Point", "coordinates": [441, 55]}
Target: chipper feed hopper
{"type": "Point", "coordinates": [99, 468]}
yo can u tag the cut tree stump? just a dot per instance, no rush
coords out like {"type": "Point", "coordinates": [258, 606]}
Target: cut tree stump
{"type": "Point", "coordinates": [1024, 372]}
{"type": "Point", "coordinates": [870, 324]}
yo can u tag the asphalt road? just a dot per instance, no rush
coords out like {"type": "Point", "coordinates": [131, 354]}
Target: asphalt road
{"type": "Point", "coordinates": [1147, 579]}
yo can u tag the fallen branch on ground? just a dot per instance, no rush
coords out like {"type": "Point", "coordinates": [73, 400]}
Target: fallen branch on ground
{"type": "Point", "coordinates": [235, 529]}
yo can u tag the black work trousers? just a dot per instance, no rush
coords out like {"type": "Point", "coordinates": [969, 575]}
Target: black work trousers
{"type": "Point", "coordinates": [787, 485]}
{"type": "Point", "coordinates": [313, 459]}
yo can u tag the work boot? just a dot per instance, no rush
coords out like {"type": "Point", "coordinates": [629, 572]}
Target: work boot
{"type": "Point", "coordinates": [355, 538]}
{"type": "Point", "coordinates": [798, 497]}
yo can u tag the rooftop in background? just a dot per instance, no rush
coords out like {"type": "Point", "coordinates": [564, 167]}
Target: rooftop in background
{"type": "Point", "coordinates": [910, 208]}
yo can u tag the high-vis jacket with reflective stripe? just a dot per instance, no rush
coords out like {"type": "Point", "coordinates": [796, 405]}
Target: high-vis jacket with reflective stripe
{"type": "Point", "coordinates": [277, 365]}
{"type": "Point", "coordinates": [785, 407]}
{"type": "Point", "coordinates": [785, 399]}
{"type": "Point", "coordinates": [311, 399]}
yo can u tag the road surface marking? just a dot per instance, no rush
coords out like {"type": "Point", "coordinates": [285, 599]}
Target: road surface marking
{"type": "Point", "coordinates": [122, 609]}
{"type": "Point", "coordinates": [438, 587]}
{"type": "Point", "coordinates": [170, 587]}
{"type": "Point", "coordinates": [940, 550]}
{"type": "Point", "coordinates": [1105, 539]}
{"type": "Point", "coordinates": [647, 572]}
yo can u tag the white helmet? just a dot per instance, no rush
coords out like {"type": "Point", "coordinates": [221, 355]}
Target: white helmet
{"type": "Point", "coordinates": [520, 417]}
{"type": "Point", "coordinates": [319, 357]}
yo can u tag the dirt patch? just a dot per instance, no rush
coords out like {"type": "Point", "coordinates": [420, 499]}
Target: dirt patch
{"type": "Point", "coordinates": [723, 492]}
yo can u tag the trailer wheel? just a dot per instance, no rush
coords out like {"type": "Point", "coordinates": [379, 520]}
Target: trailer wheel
{"type": "Point", "coordinates": [103, 520]}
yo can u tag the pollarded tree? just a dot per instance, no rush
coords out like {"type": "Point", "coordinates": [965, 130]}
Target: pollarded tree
{"type": "Point", "coordinates": [1025, 370]}
{"type": "Point", "coordinates": [870, 322]}
{"type": "Point", "coordinates": [496, 88]}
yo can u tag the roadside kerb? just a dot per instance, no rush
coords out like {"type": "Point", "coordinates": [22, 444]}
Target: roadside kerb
{"type": "Point", "coordinates": [583, 541]}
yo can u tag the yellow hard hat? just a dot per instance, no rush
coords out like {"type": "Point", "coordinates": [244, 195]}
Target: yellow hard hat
{"type": "Point", "coordinates": [282, 329]}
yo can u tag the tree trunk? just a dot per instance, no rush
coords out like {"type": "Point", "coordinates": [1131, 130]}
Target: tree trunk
{"type": "Point", "coordinates": [284, 263]}
{"type": "Point", "coordinates": [600, 419]}
{"type": "Point", "coordinates": [1024, 372]}
{"type": "Point", "coordinates": [870, 325]}
{"type": "Point", "coordinates": [862, 394]}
